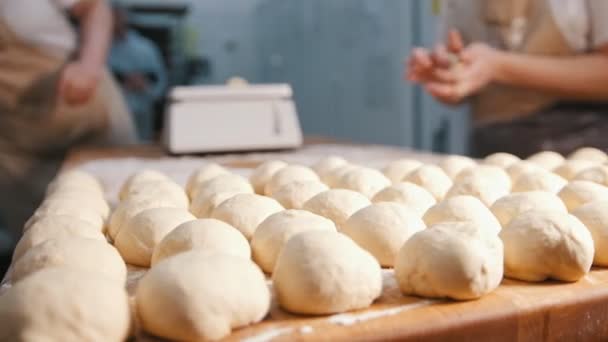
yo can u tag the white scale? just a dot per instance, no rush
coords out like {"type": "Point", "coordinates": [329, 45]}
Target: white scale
{"type": "Point", "coordinates": [241, 117]}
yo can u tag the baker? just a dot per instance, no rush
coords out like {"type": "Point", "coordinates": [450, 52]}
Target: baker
{"type": "Point", "coordinates": [535, 72]}
{"type": "Point", "coordinates": [55, 93]}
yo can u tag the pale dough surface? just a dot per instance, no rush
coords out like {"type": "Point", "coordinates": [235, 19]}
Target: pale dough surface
{"type": "Point", "coordinates": [288, 174]}
{"type": "Point", "coordinates": [262, 174]}
{"type": "Point", "coordinates": [246, 211]}
{"type": "Point", "coordinates": [399, 169]}
{"type": "Point", "coordinates": [577, 193]}
{"type": "Point", "coordinates": [432, 178]}
{"type": "Point", "coordinates": [595, 217]}
{"type": "Point", "coordinates": [539, 180]}
{"type": "Point", "coordinates": [366, 181]}
{"type": "Point", "coordinates": [463, 209]}
{"type": "Point", "coordinates": [410, 195]}
{"type": "Point", "coordinates": [337, 204]}
{"type": "Point", "coordinates": [513, 205]}
{"type": "Point", "coordinates": [295, 194]}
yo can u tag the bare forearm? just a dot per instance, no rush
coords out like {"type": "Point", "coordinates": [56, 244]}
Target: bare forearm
{"type": "Point", "coordinates": [96, 25]}
{"type": "Point", "coordinates": [583, 77]}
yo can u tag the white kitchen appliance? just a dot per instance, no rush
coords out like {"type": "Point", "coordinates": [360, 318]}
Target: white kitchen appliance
{"type": "Point", "coordinates": [243, 117]}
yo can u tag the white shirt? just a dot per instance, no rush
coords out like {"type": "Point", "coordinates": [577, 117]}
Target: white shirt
{"type": "Point", "coordinates": [42, 23]}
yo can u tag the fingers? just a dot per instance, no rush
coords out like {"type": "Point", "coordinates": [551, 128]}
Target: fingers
{"type": "Point", "coordinates": [421, 58]}
{"type": "Point", "coordinates": [447, 93]}
{"type": "Point", "coordinates": [455, 43]}
{"type": "Point", "coordinates": [441, 57]}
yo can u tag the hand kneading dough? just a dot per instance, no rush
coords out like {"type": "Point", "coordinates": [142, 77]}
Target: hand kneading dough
{"type": "Point", "coordinates": [577, 193]}
{"type": "Point", "coordinates": [136, 179]}
{"type": "Point", "coordinates": [55, 227]}
{"type": "Point", "coordinates": [287, 175]}
{"type": "Point", "coordinates": [501, 159]}
{"type": "Point", "coordinates": [168, 190]}
{"type": "Point", "coordinates": [273, 233]}
{"type": "Point", "coordinates": [411, 196]}
{"type": "Point", "coordinates": [591, 154]}
{"type": "Point", "coordinates": [382, 229]}
{"type": "Point", "coordinates": [450, 260]}
{"type": "Point", "coordinates": [128, 209]}
{"type": "Point", "coordinates": [539, 181]}
{"type": "Point", "coordinates": [223, 183]}
{"type": "Point", "coordinates": [570, 168]}
{"type": "Point", "coordinates": [63, 304]}
{"type": "Point", "coordinates": [246, 211]}
{"type": "Point", "coordinates": [485, 189]}
{"type": "Point", "coordinates": [518, 169]}
{"type": "Point", "coordinates": [203, 174]}
{"type": "Point", "coordinates": [511, 206]}
{"type": "Point", "coordinates": [463, 209]}
{"type": "Point", "coordinates": [337, 204]}
{"type": "Point", "coordinates": [454, 164]}
{"type": "Point", "coordinates": [399, 169]}
{"type": "Point", "coordinates": [597, 174]}
{"type": "Point", "coordinates": [548, 160]}
{"type": "Point", "coordinates": [139, 236]}
{"type": "Point", "coordinates": [364, 180]}
{"type": "Point", "coordinates": [595, 217]}
{"type": "Point", "coordinates": [324, 166]}
{"type": "Point", "coordinates": [197, 296]}
{"type": "Point", "coordinates": [73, 252]}
{"type": "Point", "coordinates": [76, 179]}
{"type": "Point", "coordinates": [547, 244]}
{"type": "Point", "coordinates": [499, 178]}
{"type": "Point", "coordinates": [263, 173]}
{"type": "Point", "coordinates": [206, 235]}
{"type": "Point", "coordinates": [295, 194]}
{"type": "Point", "coordinates": [204, 205]}
{"type": "Point", "coordinates": [432, 178]}
{"type": "Point", "coordinates": [323, 272]}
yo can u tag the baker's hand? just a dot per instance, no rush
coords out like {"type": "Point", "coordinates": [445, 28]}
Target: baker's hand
{"type": "Point", "coordinates": [422, 62]}
{"type": "Point", "coordinates": [78, 83]}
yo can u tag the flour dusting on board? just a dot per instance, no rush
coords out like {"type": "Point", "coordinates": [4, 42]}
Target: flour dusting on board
{"type": "Point", "coordinates": [268, 335]}
{"type": "Point", "coordinates": [350, 319]}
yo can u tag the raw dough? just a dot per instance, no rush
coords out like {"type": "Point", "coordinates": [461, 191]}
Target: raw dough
{"type": "Point", "coordinates": [547, 244]}
{"type": "Point", "coordinates": [577, 193]}
{"type": "Point", "coordinates": [332, 177]}
{"type": "Point", "coordinates": [432, 178]}
{"type": "Point", "coordinates": [597, 174]}
{"type": "Point", "coordinates": [246, 211]}
{"type": "Point", "coordinates": [167, 190]}
{"type": "Point", "coordinates": [548, 160]}
{"type": "Point", "coordinates": [207, 235]}
{"type": "Point", "coordinates": [295, 194]}
{"type": "Point", "coordinates": [595, 217]}
{"type": "Point", "coordinates": [77, 199]}
{"type": "Point", "coordinates": [337, 204]}
{"type": "Point", "coordinates": [513, 205]}
{"type": "Point", "coordinates": [84, 254]}
{"type": "Point", "coordinates": [399, 169]}
{"type": "Point", "coordinates": [324, 166]}
{"type": "Point", "coordinates": [197, 296]}
{"type": "Point", "coordinates": [501, 159]}
{"type": "Point", "coordinates": [485, 189]}
{"type": "Point", "coordinates": [382, 229]}
{"type": "Point", "coordinates": [518, 169]}
{"type": "Point", "coordinates": [570, 168]}
{"type": "Point", "coordinates": [203, 206]}
{"type": "Point", "coordinates": [223, 183]}
{"type": "Point", "coordinates": [139, 236]}
{"type": "Point", "coordinates": [273, 233]}
{"type": "Point", "coordinates": [76, 179]}
{"type": "Point", "coordinates": [540, 180]}
{"type": "Point", "coordinates": [287, 175]}
{"type": "Point", "coordinates": [63, 304]}
{"type": "Point", "coordinates": [499, 178]}
{"type": "Point", "coordinates": [136, 179]}
{"type": "Point", "coordinates": [455, 164]}
{"type": "Point", "coordinates": [450, 260]}
{"type": "Point", "coordinates": [410, 195]}
{"type": "Point", "coordinates": [203, 174]}
{"type": "Point", "coordinates": [263, 173]}
{"type": "Point", "coordinates": [591, 154]}
{"type": "Point", "coordinates": [87, 214]}
{"type": "Point", "coordinates": [364, 180]}
{"type": "Point", "coordinates": [128, 209]}
{"type": "Point", "coordinates": [463, 209]}
{"type": "Point", "coordinates": [324, 272]}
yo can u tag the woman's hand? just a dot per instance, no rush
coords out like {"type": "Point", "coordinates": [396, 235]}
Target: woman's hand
{"type": "Point", "coordinates": [78, 83]}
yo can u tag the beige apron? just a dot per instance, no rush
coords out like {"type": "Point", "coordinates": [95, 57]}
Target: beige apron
{"type": "Point", "coordinates": [37, 128]}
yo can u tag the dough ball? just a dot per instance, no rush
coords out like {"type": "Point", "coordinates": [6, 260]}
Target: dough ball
{"type": "Point", "coordinates": [77, 199]}
{"type": "Point", "coordinates": [483, 188]}
{"type": "Point", "coordinates": [547, 244]}
{"type": "Point", "coordinates": [128, 209]}
{"type": "Point", "coordinates": [76, 179]}
{"type": "Point", "coordinates": [287, 175]}
{"type": "Point", "coordinates": [203, 174]}
{"type": "Point", "coordinates": [518, 169]}
{"type": "Point", "coordinates": [139, 236]}
{"type": "Point", "coordinates": [273, 233]}
{"type": "Point", "coordinates": [548, 160]}
{"type": "Point", "coordinates": [332, 178]}
{"type": "Point", "coordinates": [62, 208]}
{"type": "Point", "coordinates": [364, 180]}
{"type": "Point", "coordinates": [55, 227]}
{"type": "Point", "coordinates": [463, 209]}
{"type": "Point", "coordinates": [591, 154]}
{"type": "Point", "coordinates": [63, 304]}
{"type": "Point", "coordinates": [168, 190]}
{"type": "Point", "coordinates": [597, 174]}
{"type": "Point", "coordinates": [450, 260]}
{"type": "Point", "coordinates": [262, 174]}
{"type": "Point", "coordinates": [539, 181]}
{"type": "Point", "coordinates": [323, 272]}
{"type": "Point", "coordinates": [595, 217]}
{"type": "Point", "coordinates": [324, 166]}
{"type": "Point", "coordinates": [432, 178]}
{"type": "Point", "coordinates": [577, 193]}
{"type": "Point", "coordinates": [454, 164]}
{"type": "Point", "coordinates": [83, 254]}
{"type": "Point", "coordinates": [570, 168]}
{"type": "Point", "coordinates": [136, 179]}
{"type": "Point", "coordinates": [489, 173]}
{"type": "Point", "coordinates": [246, 211]}
{"type": "Point", "coordinates": [206, 235]}
{"type": "Point", "coordinates": [513, 205]}
{"type": "Point", "coordinates": [413, 197]}
{"type": "Point", "coordinates": [198, 296]}
{"type": "Point", "coordinates": [382, 229]}
{"type": "Point", "coordinates": [337, 204]}
{"type": "Point", "coordinates": [203, 206]}
{"type": "Point", "coordinates": [399, 169]}
{"type": "Point", "coordinates": [223, 183]}
{"type": "Point", "coordinates": [295, 194]}
{"type": "Point", "coordinates": [501, 159]}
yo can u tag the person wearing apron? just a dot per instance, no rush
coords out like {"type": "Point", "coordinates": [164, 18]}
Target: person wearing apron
{"type": "Point", "coordinates": [535, 72]}
{"type": "Point", "coordinates": [53, 96]}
